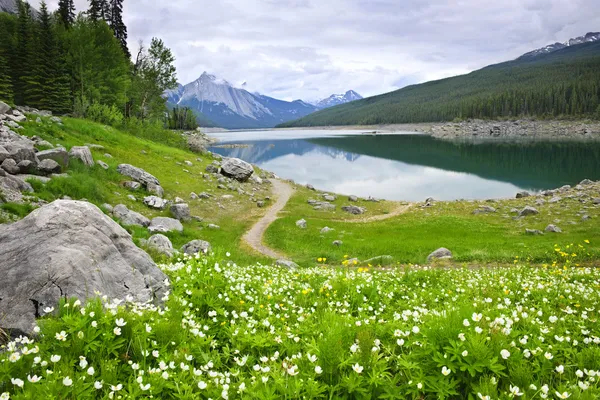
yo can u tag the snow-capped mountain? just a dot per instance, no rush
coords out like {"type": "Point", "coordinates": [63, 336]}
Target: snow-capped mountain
{"type": "Point", "coordinates": [231, 107]}
{"type": "Point", "coordinates": [337, 99]}
{"type": "Point", "coordinates": [10, 6]}
{"type": "Point", "coordinates": [589, 37]}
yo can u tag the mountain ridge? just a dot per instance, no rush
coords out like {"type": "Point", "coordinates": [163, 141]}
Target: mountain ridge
{"type": "Point", "coordinates": [587, 38]}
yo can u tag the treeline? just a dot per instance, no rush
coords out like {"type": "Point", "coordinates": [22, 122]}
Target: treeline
{"type": "Point", "coordinates": [561, 84]}
{"type": "Point", "coordinates": [81, 65]}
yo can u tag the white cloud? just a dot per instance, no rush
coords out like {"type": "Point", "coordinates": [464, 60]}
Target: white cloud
{"type": "Point", "coordinates": [311, 48]}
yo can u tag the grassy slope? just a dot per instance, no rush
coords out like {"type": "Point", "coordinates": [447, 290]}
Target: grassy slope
{"type": "Point", "coordinates": [410, 237]}
{"type": "Point", "coordinates": [99, 186]}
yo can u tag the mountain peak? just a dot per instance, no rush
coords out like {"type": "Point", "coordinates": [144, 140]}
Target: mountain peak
{"type": "Point", "coordinates": [587, 38]}
{"type": "Point", "coordinates": [206, 78]}
{"type": "Point", "coordinates": [337, 99]}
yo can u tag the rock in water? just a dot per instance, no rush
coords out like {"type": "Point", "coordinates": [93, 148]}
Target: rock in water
{"type": "Point", "coordinates": [440, 254]}
{"type": "Point", "coordinates": [196, 246]}
{"type": "Point", "coordinates": [69, 249]}
{"type": "Point", "coordinates": [83, 154]}
{"type": "Point", "coordinates": [237, 169]}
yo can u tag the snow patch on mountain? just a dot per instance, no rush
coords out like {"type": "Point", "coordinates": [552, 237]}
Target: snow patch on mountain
{"type": "Point", "coordinates": [337, 99]}
{"type": "Point", "coordinates": [587, 38]}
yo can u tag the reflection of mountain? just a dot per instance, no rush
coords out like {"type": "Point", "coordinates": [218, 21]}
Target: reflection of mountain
{"type": "Point", "coordinates": [260, 152]}
{"type": "Point", "coordinates": [534, 165]}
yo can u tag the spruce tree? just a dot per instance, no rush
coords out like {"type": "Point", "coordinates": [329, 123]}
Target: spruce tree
{"type": "Point", "coordinates": [66, 12]}
{"type": "Point", "coordinates": [6, 91]}
{"type": "Point", "coordinates": [24, 53]}
{"type": "Point", "coordinates": [97, 10]}
{"type": "Point", "coordinates": [39, 81]}
{"type": "Point", "coordinates": [115, 21]}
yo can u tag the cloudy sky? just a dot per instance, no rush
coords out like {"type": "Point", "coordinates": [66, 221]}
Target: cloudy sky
{"type": "Point", "coordinates": [309, 49]}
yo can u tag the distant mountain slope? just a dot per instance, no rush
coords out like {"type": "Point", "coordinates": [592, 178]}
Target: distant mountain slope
{"type": "Point", "coordinates": [337, 99]}
{"type": "Point", "coordinates": [235, 108]}
{"type": "Point", "coordinates": [10, 6]}
{"type": "Point", "coordinates": [587, 38]}
{"type": "Point", "coordinates": [562, 82]}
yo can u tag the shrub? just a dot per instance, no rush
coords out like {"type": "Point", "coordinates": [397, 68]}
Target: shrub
{"type": "Point", "coordinates": [108, 115]}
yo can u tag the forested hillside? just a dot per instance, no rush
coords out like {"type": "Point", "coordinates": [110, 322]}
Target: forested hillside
{"type": "Point", "coordinates": [565, 83]}
{"type": "Point", "coordinates": [80, 65]}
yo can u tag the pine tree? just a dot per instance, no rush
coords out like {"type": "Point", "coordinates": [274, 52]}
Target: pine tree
{"type": "Point", "coordinates": [24, 53]}
{"type": "Point", "coordinates": [39, 81]}
{"type": "Point", "coordinates": [66, 12]}
{"type": "Point", "coordinates": [6, 91]}
{"type": "Point", "coordinates": [97, 10]}
{"type": "Point", "coordinates": [115, 21]}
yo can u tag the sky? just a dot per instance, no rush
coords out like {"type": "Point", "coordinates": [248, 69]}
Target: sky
{"type": "Point", "coordinates": [309, 49]}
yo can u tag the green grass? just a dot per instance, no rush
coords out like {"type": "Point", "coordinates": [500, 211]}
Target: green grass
{"type": "Point", "coordinates": [412, 236]}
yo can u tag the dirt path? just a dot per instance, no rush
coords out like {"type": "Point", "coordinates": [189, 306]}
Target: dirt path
{"type": "Point", "coordinates": [381, 217]}
{"type": "Point", "coordinates": [254, 237]}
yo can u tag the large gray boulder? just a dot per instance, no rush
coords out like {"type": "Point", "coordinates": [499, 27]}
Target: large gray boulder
{"type": "Point", "coordinates": [59, 155]}
{"type": "Point", "coordinates": [69, 249]}
{"type": "Point", "coordinates": [137, 174]}
{"type": "Point", "coordinates": [237, 169]}
{"type": "Point", "coordinates": [164, 224]}
{"type": "Point", "coordinates": [528, 210]}
{"type": "Point", "coordinates": [83, 154]}
{"type": "Point", "coordinates": [196, 246]}
{"type": "Point", "coordinates": [4, 108]}
{"type": "Point", "coordinates": [355, 210]}
{"type": "Point", "coordinates": [10, 166]}
{"type": "Point", "coordinates": [129, 217]}
{"type": "Point", "coordinates": [161, 244]}
{"type": "Point", "coordinates": [49, 166]}
{"type": "Point", "coordinates": [440, 254]}
{"type": "Point", "coordinates": [11, 188]}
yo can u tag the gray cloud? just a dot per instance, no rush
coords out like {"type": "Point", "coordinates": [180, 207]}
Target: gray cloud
{"type": "Point", "coordinates": [311, 48]}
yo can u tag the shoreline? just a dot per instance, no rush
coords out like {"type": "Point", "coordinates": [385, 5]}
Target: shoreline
{"type": "Point", "coordinates": [478, 130]}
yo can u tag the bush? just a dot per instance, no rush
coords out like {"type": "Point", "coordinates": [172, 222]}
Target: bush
{"type": "Point", "coordinates": [155, 132]}
{"type": "Point", "coordinates": [108, 115]}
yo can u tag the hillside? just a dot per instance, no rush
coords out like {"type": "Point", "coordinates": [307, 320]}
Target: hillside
{"type": "Point", "coordinates": [562, 83]}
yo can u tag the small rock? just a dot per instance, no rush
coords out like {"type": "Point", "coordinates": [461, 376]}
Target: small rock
{"type": "Point", "coordinates": [596, 200]}
{"type": "Point", "coordinates": [534, 232]}
{"type": "Point", "coordinates": [194, 196]}
{"type": "Point", "coordinates": [161, 244]}
{"type": "Point", "coordinates": [155, 189]}
{"type": "Point", "coordinates": [107, 155]}
{"type": "Point", "coordinates": [83, 154]}
{"type": "Point", "coordinates": [355, 210]}
{"type": "Point", "coordinates": [586, 218]}
{"type": "Point", "coordinates": [528, 211]}
{"type": "Point", "coordinates": [204, 195]}
{"type": "Point", "coordinates": [352, 198]}
{"type": "Point", "coordinates": [102, 164]}
{"type": "Point", "coordinates": [27, 167]}
{"type": "Point", "coordinates": [310, 187]}
{"type": "Point", "coordinates": [181, 211]}
{"type": "Point", "coordinates": [196, 246]}
{"type": "Point", "coordinates": [260, 204]}
{"type": "Point", "coordinates": [287, 264]}
{"type": "Point", "coordinates": [10, 166]}
{"type": "Point", "coordinates": [179, 200]}
{"type": "Point", "coordinates": [523, 194]}
{"type": "Point", "coordinates": [155, 202]}
{"type": "Point", "coordinates": [337, 243]}
{"type": "Point", "coordinates": [164, 224]}
{"type": "Point", "coordinates": [213, 227]}
{"type": "Point", "coordinates": [188, 163]}
{"type": "Point", "coordinates": [586, 182]}
{"type": "Point", "coordinates": [131, 185]}
{"type": "Point", "coordinates": [553, 228]}
{"type": "Point", "coordinates": [301, 224]}
{"type": "Point", "coordinates": [329, 197]}
{"type": "Point", "coordinates": [131, 197]}
{"type": "Point", "coordinates": [326, 230]}
{"type": "Point", "coordinates": [484, 210]}
{"type": "Point", "coordinates": [211, 168]}
{"type": "Point", "coordinates": [107, 207]}
{"type": "Point", "coordinates": [129, 217]}
{"type": "Point", "coordinates": [439, 254]}
{"type": "Point", "coordinates": [555, 199]}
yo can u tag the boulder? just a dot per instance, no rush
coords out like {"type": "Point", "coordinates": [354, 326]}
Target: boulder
{"type": "Point", "coordinates": [56, 120]}
{"type": "Point", "coordinates": [236, 169]}
{"type": "Point", "coordinates": [286, 264]}
{"type": "Point", "coordinates": [596, 200]}
{"type": "Point", "coordinates": [196, 246]}
{"type": "Point", "coordinates": [439, 254]}
{"type": "Point", "coordinates": [555, 199]}
{"type": "Point", "coordinates": [484, 210]}
{"type": "Point", "coordinates": [161, 244]}
{"type": "Point", "coordinates": [586, 182]}
{"type": "Point", "coordinates": [107, 207]}
{"type": "Point", "coordinates": [165, 224]}
{"type": "Point", "coordinates": [213, 169]}
{"type": "Point", "coordinates": [4, 154]}
{"type": "Point", "coordinates": [528, 211]}
{"type": "Point", "coordinates": [83, 154]}
{"type": "Point", "coordinates": [59, 155]}
{"type": "Point", "coordinates": [155, 189]}
{"type": "Point", "coordinates": [181, 211]}
{"type": "Point", "coordinates": [11, 188]}
{"type": "Point", "coordinates": [27, 167]}
{"type": "Point", "coordinates": [4, 108]}
{"type": "Point", "coordinates": [138, 175]}
{"type": "Point", "coordinates": [49, 166]}
{"type": "Point", "coordinates": [353, 198]}
{"type": "Point", "coordinates": [355, 210]}
{"type": "Point", "coordinates": [301, 223]}
{"type": "Point", "coordinates": [329, 197]}
{"type": "Point", "coordinates": [21, 149]}
{"type": "Point", "coordinates": [69, 249]}
{"type": "Point", "coordinates": [155, 202]}
{"type": "Point", "coordinates": [10, 166]}
{"type": "Point", "coordinates": [204, 195]}
{"type": "Point", "coordinates": [324, 206]}
{"type": "Point", "coordinates": [553, 228]}
{"type": "Point", "coordinates": [129, 217]}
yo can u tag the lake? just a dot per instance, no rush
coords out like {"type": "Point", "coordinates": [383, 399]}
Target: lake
{"type": "Point", "coordinates": [412, 167]}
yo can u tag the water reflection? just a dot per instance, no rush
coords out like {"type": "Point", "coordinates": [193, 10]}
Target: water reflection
{"type": "Point", "coordinates": [413, 167]}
